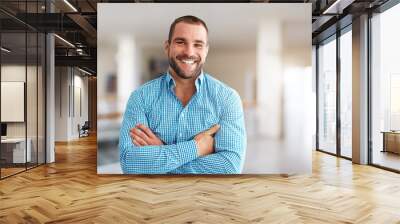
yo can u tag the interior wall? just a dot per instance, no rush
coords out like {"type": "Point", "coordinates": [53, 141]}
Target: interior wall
{"type": "Point", "coordinates": [33, 126]}
{"type": "Point", "coordinates": [71, 87]}
{"type": "Point", "coordinates": [17, 73]}
{"type": "Point", "coordinates": [149, 53]}
{"type": "Point", "coordinates": [106, 68]}
{"type": "Point", "coordinates": [236, 68]}
{"type": "Point", "coordinates": [80, 110]}
{"type": "Point", "coordinates": [62, 80]}
{"type": "Point", "coordinates": [297, 56]}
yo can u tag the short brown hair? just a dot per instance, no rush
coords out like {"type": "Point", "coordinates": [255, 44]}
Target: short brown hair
{"type": "Point", "coordinates": [186, 19]}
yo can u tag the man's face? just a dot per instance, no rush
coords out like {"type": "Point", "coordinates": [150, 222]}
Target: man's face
{"type": "Point", "coordinates": [188, 49]}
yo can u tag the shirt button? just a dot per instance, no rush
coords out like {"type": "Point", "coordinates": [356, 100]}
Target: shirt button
{"type": "Point", "coordinates": [180, 134]}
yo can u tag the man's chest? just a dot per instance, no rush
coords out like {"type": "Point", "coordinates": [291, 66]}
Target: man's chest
{"type": "Point", "coordinates": [173, 123]}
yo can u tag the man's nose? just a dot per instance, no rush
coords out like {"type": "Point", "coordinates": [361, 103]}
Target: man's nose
{"type": "Point", "coordinates": [189, 50]}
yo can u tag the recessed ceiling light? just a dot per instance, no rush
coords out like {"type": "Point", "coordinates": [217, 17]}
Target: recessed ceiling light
{"type": "Point", "coordinates": [5, 50]}
{"type": "Point", "coordinates": [338, 6]}
{"type": "Point", "coordinates": [64, 40]}
{"type": "Point", "coordinates": [70, 5]}
{"type": "Point", "coordinates": [84, 71]}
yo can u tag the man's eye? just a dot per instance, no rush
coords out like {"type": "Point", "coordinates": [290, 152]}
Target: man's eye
{"type": "Point", "coordinates": [198, 45]}
{"type": "Point", "coordinates": [179, 42]}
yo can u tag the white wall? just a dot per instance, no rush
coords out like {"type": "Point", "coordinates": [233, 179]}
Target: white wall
{"type": "Point", "coordinates": [106, 65]}
{"type": "Point", "coordinates": [123, 60]}
{"type": "Point", "coordinates": [61, 103]}
{"type": "Point", "coordinates": [236, 68]}
{"type": "Point", "coordinates": [33, 126]}
{"type": "Point", "coordinates": [70, 83]}
{"type": "Point", "coordinates": [17, 73]}
{"type": "Point", "coordinates": [14, 73]}
{"type": "Point", "coordinates": [153, 52]}
{"type": "Point", "coordinates": [80, 108]}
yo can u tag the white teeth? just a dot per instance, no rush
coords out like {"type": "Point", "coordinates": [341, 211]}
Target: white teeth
{"type": "Point", "coordinates": [188, 61]}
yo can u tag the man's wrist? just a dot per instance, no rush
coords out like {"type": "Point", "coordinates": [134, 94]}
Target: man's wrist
{"type": "Point", "coordinates": [198, 148]}
{"type": "Point", "coordinates": [188, 150]}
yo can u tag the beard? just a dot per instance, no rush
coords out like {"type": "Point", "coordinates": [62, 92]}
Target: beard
{"type": "Point", "coordinates": [182, 74]}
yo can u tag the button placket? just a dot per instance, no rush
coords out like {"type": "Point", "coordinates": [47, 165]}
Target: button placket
{"type": "Point", "coordinates": [181, 125]}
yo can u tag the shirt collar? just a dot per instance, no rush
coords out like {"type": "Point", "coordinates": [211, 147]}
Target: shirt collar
{"type": "Point", "coordinates": [171, 82]}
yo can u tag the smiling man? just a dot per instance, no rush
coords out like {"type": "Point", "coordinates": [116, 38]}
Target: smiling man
{"type": "Point", "coordinates": [186, 121]}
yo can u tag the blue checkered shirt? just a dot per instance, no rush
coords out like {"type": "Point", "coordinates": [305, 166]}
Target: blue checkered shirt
{"type": "Point", "coordinates": [155, 105]}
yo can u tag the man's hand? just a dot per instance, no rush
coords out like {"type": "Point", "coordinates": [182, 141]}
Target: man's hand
{"type": "Point", "coordinates": [205, 141]}
{"type": "Point", "coordinates": [142, 136]}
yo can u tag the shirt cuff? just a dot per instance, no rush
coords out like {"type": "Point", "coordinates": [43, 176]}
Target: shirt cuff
{"type": "Point", "coordinates": [187, 151]}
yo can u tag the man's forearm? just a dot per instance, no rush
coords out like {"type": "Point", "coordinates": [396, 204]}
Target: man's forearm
{"type": "Point", "coordinates": [156, 159]}
{"type": "Point", "coordinates": [149, 159]}
{"type": "Point", "coordinates": [223, 162]}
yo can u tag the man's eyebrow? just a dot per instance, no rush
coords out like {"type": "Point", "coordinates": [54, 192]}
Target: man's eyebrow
{"type": "Point", "coordinates": [184, 39]}
{"type": "Point", "coordinates": [179, 39]}
{"type": "Point", "coordinates": [199, 41]}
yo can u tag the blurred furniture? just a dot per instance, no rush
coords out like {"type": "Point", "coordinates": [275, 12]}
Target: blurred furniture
{"type": "Point", "coordinates": [84, 130]}
{"type": "Point", "coordinates": [13, 150]}
{"type": "Point", "coordinates": [109, 126]}
{"type": "Point", "coordinates": [391, 141]}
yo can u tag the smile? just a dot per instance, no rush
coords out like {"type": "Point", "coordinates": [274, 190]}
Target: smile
{"type": "Point", "coordinates": [188, 61]}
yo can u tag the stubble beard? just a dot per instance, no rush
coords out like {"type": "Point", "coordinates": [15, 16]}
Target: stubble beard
{"type": "Point", "coordinates": [178, 71]}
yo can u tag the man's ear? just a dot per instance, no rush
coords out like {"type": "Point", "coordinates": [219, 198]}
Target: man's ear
{"type": "Point", "coordinates": [166, 47]}
{"type": "Point", "coordinates": [207, 48]}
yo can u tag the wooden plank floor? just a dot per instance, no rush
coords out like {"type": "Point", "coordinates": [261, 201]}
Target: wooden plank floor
{"type": "Point", "coordinates": [70, 191]}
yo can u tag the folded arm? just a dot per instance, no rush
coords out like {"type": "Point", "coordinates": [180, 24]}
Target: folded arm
{"type": "Point", "coordinates": [230, 143]}
{"type": "Point", "coordinates": [149, 159]}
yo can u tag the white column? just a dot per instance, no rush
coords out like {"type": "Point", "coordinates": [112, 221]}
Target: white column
{"type": "Point", "coordinates": [128, 72]}
{"type": "Point", "coordinates": [269, 79]}
{"type": "Point", "coordinates": [50, 99]}
{"type": "Point", "coordinates": [360, 90]}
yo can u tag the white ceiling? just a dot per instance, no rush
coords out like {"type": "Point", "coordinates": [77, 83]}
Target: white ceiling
{"type": "Point", "coordinates": [229, 24]}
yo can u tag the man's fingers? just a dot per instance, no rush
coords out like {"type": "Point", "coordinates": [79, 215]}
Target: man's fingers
{"type": "Point", "coordinates": [212, 130]}
{"type": "Point", "coordinates": [138, 139]}
{"type": "Point", "coordinates": [141, 134]}
{"type": "Point", "coordinates": [146, 130]}
{"type": "Point", "coordinates": [135, 142]}
{"type": "Point", "coordinates": [133, 137]}
{"type": "Point", "coordinates": [141, 141]}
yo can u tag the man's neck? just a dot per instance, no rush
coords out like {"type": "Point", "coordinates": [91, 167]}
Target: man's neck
{"type": "Point", "coordinates": [184, 88]}
{"type": "Point", "coordinates": [181, 82]}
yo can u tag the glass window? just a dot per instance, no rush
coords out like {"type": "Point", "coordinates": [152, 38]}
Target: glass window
{"type": "Point", "coordinates": [346, 94]}
{"type": "Point", "coordinates": [385, 87]}
{"type": "Point", "coordinates": [14, 154]}
{"type": "Point", "coordinates": [22, 92]}
{"type": "Point", "coordinates": [327, 96]}
{"type": "Point", "coordinates": [31, 96]}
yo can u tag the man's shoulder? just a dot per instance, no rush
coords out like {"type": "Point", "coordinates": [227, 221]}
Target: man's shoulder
{"type": "Point", "coordinates": [152, 85]}
{"type": "Point", "coordinates": [219, 88]}
{"type": "Point", "coordinates": [147, 92]}
{"type": "Point", "coordinates": [226, 97]}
